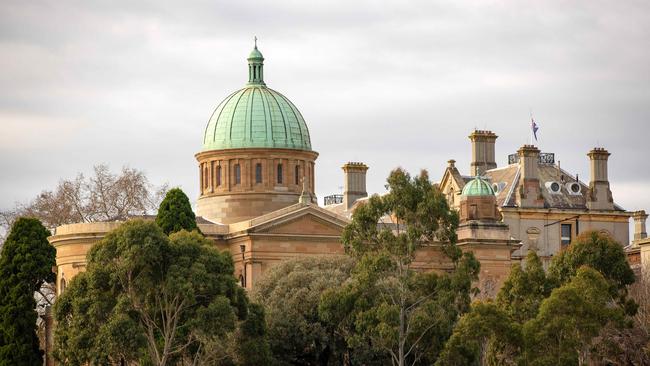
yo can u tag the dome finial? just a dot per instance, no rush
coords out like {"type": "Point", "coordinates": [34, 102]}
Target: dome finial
{"type": "Point", "coordinates": [255, 37]}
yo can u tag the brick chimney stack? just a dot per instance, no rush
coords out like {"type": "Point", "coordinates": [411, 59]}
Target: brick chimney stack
{"type": "Point", "coordinates": [355, 183]}
{"type": "Point", "coordinates": [640, 218]}
{"type": "Point", "coordinates": [483, 154]}
{"type": "Point", "coordinates": [599, 196]}
{"type": "Point", "coordinates": [529, 193]}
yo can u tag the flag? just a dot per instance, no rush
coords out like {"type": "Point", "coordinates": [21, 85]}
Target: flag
{"type": "Point", "coordinates": [534, 127]}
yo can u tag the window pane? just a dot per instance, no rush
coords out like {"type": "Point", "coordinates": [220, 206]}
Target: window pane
{"type": "Point", "coordinates": [219, 175]}
{"type": "Point", "coordinates": [566, 234]}
{"type": "Point", "coordinates": [237, 174]}
{"type": "Point", "coordinates": [279, 173]}
{"type": "Point", "coordinates": [297, 174]}
{"type": "Point", "coordinates": [258, 173]}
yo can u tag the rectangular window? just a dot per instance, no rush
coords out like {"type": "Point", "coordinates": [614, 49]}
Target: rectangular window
{"type": "Point", "coordinates": [565, 232]}
{"type": "Point", "coordinates": [279, 173]}
{"type": "Point", "coordinates": [258, 173]}
{"type": "Point", "coordinates": [218, 175]}
{"type": "Point", "coordinates": [237, 174]}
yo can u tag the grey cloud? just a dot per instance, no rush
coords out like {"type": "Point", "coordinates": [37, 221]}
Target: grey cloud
{"type": "Point", "coordinates": [389, 83]}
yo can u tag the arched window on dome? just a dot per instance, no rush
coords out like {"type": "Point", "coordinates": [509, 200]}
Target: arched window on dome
{"type": "Point", "coordinates": [218, 174]}
{"type": "Point", "coordinates": [258, 173]}
{"type": "Point", "coordinates": [279, 173]}
{"type": "Point", "coordinates": [237, 174]}
{"type": "Point", "coordinates": [297, 174]}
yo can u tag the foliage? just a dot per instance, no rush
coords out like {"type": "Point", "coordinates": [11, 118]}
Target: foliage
{"type": "Point", "coordinates": [485, 327]}
{"type": "Point", "coordinates": [175, 213]}
{"type": "Point", "coordinates": [290, 292]}
{"type": "Point", "coordinates": [602, 253]}
{"type": "Point", "coordinates": [25, 265]}
{"type": "Point", "coordinates": [569, 320]}
{"type": "Point", "coordinates": [251, 345]}
{"type": "Point", "coordinates": [146, 297]}
{"type": "Point", "coordinates": [524, 290]}
{"type": "Point", "coordinates": [387, 304]}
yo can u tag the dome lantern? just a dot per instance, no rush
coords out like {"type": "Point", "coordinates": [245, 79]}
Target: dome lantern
{"type": "Point", "coordinates": [255, 67]}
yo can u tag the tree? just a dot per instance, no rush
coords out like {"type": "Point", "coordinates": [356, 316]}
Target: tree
{"type": "Point", "coordinates": [147, 297]}
{"type": "Point", "coordinates": [524, 290]}
{"type": "Point", "coordinates": [387, 304]}
{"type": "Point", "coordinates": [105, 196]}
{"type": "Point", "coordinates": [25, 265]}
{"type": "Point", "coordinates": [602, 253]}
{"type": "Point", "coordinates": [290, 293]}
{"type": "Point", "coordinates": [251, 345]}
{"type": "Point", "coordinates": [569, 320]}
{"type": "Point", "coordinates": [175, 213]}
{"type": "Point", "coordinates": [487, 325]}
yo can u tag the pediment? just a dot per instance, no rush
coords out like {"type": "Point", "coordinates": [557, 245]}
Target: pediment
{"type": "Point", "coordinates": [305, 220]}
{"type": "Point", "coordinates": [306, 225]}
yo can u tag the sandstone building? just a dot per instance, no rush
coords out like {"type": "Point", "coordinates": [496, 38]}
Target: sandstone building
{"type": "Point", "coordinates": [257, 196]}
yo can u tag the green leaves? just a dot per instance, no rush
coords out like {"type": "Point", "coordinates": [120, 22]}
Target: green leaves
{"type": "Point", "coordinates": [175, 213]}
{"type": "Point", "coordinates": [148, 297]}
{"type": "Point", "coordinates": [26, 263]}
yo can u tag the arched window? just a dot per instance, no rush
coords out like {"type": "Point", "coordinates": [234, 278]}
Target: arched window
{"type": "Point", "coordinates": [237, 174]}
{"type": "Point", "coordinates": [62, 287]}
{"type": "Point", "coordinates": [279, 173]}
{"type": "Point", "coordinates": [297, 174]}
{"type": "Point", "coordinates": [258, 173]}
{"type": "Point", "coordinates": [218, 175]}
{"type": "Point", "coordinates": [241, 281]}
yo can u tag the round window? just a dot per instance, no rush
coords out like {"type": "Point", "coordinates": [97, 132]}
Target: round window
{"type": "Point", "coordinates": [495, 188]}
{"type": "Point", "coordinates": [555, 187]}
{"type": "Point", "coordinates": [575, 187]}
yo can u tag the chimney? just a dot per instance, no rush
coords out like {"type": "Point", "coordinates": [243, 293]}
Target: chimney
{"type": "Point", "coordinates": [483, 155]}
{"type": "Point", "coordinates": [529, 193]}
{"type": "Point", "coordinates": [599, 196]}
{"type": "Point", "coordinates": [355, 183]}
{"type": "Point", "coordinates": [640, 218]}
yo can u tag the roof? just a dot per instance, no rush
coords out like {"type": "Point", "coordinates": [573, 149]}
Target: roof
{"type": "Point", "coordinates": [256, 117]}
{"type": "Point", "coordinates": [506, 179]}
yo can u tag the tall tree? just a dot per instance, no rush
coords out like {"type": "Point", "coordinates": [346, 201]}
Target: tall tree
{"type": "Point", "coordinates": [251, 344]}
{"type": "Point", "coordinates": [569, 320]}
{"type": "Point", "coordinates": [148, 297]}
{"type": "Point", "coordinates": [486, 327]}
{"type": "Point", "coordinates": [25, 265]}
{"type": "Point", "coordinates": [602, 253]}
{"type": "Point", "coordinates": [399, 311]}
{"type": "Point", "coordinates": [175, 213]}
{"type": "Point", "coordinates": [524, 290]}
{"type": "Point", "coordinates": [290, 293]}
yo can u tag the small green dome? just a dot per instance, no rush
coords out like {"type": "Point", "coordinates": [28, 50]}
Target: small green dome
{"type": "Point", "coordinates": [478, 187]}
{"type": "Point", "coordinates": [255, 54]}
{"type": "Point", "coordinates": [256, 117]}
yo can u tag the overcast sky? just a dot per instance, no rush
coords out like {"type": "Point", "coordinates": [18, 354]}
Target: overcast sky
{"type": "Point", "coordinates": [389, 83]}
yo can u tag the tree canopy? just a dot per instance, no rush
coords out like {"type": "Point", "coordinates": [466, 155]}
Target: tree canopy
{"type": "Point", "coordinates": [291, 292]}
{"type": "Point", "coordinates": [25, 265]}
{"type": "Point", "coordinates": [175, 213]}
{"type": "Point", "coordinates": [147, 297]}
{"type": "Point", "coordinates": [400, 312]}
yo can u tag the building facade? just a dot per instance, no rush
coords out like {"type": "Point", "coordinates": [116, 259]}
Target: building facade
{"type": "Point", "coordinates": [544, 206]}
{"type": "Point", "coordinates": [257, 196]}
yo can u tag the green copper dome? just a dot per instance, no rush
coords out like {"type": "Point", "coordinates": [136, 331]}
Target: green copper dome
{"type": "Point", "coordinates": [256, 117]}
{"type": "Point", "coordinates": [478, 187]}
